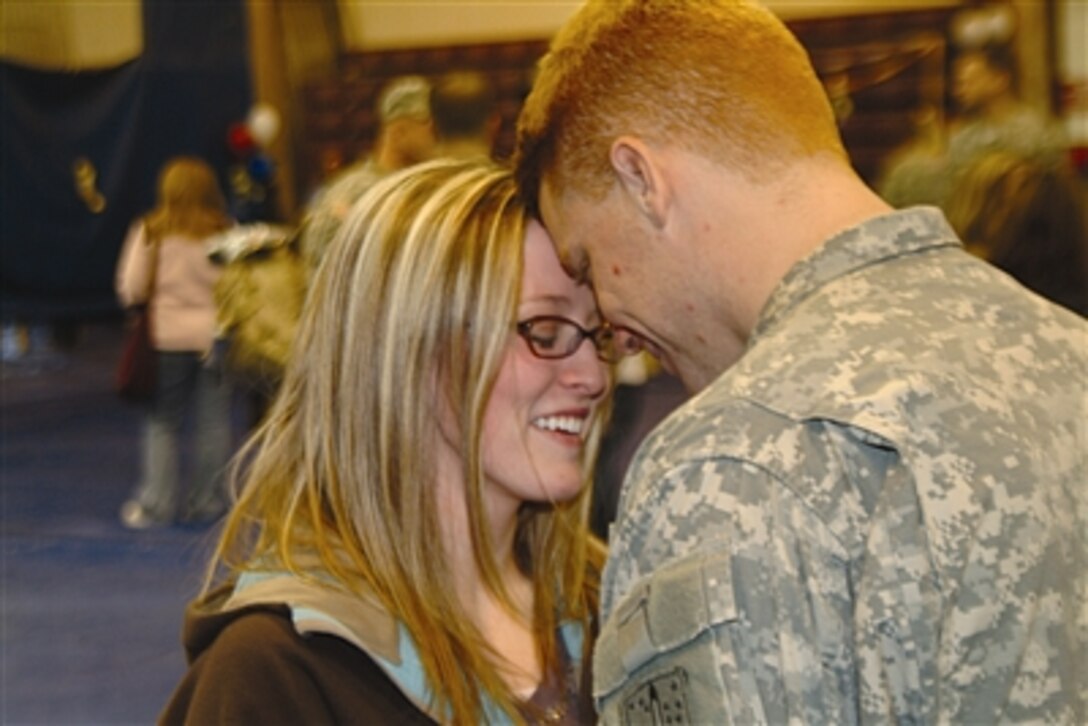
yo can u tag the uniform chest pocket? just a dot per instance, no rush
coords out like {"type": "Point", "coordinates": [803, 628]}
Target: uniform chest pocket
{"type": "Point", "coordinates": [656, 660]}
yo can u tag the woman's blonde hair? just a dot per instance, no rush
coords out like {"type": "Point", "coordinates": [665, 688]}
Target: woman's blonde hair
{"type": "Point", "coordinates": [414, 306]}
{"type": "Point", "coordinates": [190, 202]}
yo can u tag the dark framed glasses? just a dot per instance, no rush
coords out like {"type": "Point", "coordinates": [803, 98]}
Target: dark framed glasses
{"type": "Point", "coordinates": [551, 337]}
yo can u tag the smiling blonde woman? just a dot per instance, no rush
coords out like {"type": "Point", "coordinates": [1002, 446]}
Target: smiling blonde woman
{"type": "Point", "coordinates": [410, 544]}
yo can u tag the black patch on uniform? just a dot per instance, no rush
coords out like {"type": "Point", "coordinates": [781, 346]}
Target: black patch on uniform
{"type": "Point", "coordinates": [661, 700]}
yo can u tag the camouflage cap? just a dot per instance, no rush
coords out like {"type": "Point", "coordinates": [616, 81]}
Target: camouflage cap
{"type": "Point", "coordinates": [405, 97]}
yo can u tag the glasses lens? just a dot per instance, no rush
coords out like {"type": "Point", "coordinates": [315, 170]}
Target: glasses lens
{"type": "Point", "coordinates": [551, 337]}
{"type": "Point", "coordinates": [555, 337]}
{"type": "Point", "coordinates": [626, 342]}
{"type": "Point", "coordinates": [604, 339]}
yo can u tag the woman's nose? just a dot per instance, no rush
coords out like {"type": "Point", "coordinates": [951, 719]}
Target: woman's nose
{"type": "Point", "coordinates": [586, 371]}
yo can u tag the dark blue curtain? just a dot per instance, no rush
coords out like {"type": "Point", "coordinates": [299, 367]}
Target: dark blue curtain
{"type": "Point", "coordinates": [57, 256]}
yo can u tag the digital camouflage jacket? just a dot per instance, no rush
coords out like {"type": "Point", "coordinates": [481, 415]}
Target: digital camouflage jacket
{"type": "Point", "coordinates": [877, 515]}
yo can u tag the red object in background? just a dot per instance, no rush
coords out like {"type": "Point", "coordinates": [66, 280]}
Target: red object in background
{"type": "Point", "coordinates": [1078, 155]}
{"type": "Point", "coordinates": [240, 140]}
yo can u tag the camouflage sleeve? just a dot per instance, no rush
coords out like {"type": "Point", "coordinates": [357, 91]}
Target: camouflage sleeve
{"type": "Point", "coordinates": [738, 610]}
{"type": "Point", "coordinates": [738, 594]}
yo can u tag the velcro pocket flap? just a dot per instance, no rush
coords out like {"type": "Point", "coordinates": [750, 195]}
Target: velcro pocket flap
{"type": "Point", "coordinates": [671, 607]}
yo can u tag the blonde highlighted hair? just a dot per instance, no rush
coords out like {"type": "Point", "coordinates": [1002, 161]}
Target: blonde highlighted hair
{"type": "Point", "coordinates": [722, 78]}
{"type": "Point", "coordinates": [190, 201]}
{"type": "Point", "coordinates": [421, 285]}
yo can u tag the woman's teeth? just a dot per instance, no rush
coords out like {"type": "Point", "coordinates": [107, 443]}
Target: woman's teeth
{"type": "Point", "coordinates": [566, 424]}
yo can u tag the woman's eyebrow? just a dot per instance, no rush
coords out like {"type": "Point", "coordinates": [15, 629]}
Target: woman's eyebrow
{"type": "Point", "coordinates": [554, 299]}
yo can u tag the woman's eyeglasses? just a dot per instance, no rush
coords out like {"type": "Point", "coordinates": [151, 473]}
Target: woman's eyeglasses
{"type": "Point", "coordinates": [551, 337]}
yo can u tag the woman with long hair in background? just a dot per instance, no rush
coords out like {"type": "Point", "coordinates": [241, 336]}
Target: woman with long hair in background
{"type": "Point", "coordinates": [164, 264]}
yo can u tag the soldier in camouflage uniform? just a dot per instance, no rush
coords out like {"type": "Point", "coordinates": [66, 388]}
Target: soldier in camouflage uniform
{"type": "Point", "coordinates": [992, 119]}
{"type": "Point", "coordinates": [873, 508]}
{"type": "Point", "coordinates": [406, 137]}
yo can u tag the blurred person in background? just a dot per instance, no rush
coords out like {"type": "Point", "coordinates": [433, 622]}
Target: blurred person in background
{"type": "Point", "coordinates": [990, 117]}
{"type": "Point", "coordinates": [190, 209]}
{"type": "Point", "coordinates": [411, 544]}
{"type": "Point", "coordinates": [1027, 217]}
{"type": "Point", "coordinates": [406, 136]}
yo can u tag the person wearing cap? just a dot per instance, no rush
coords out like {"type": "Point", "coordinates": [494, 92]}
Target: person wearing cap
{"type": "Point", "coordinates": [406, 137]}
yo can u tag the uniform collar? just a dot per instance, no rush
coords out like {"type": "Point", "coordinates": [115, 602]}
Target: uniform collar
{"type": "Point", "coordinates": [887, 236]}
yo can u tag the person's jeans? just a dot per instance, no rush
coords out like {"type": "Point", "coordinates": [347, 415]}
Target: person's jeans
{"type": "Point", "coordinates": [182, 380]}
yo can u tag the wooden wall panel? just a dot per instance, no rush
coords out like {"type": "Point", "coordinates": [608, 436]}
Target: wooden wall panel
{"type": "Point", "coordinates": [885, 71]}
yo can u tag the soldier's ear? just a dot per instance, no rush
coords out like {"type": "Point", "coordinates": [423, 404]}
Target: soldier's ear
{"type": "Point", "coordinates": [638, 171]}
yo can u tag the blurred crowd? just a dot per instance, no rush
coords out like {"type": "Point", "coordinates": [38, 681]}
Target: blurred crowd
{"type": "Point", "coordinates": [1001, 171]}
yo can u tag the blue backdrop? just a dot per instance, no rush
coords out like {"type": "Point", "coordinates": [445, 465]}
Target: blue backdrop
{"type": "Point", "coordinates": [57, 256]}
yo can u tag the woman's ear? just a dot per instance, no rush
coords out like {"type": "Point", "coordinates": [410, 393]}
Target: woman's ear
{"type": "Point", "coordinates": [638, 170]}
